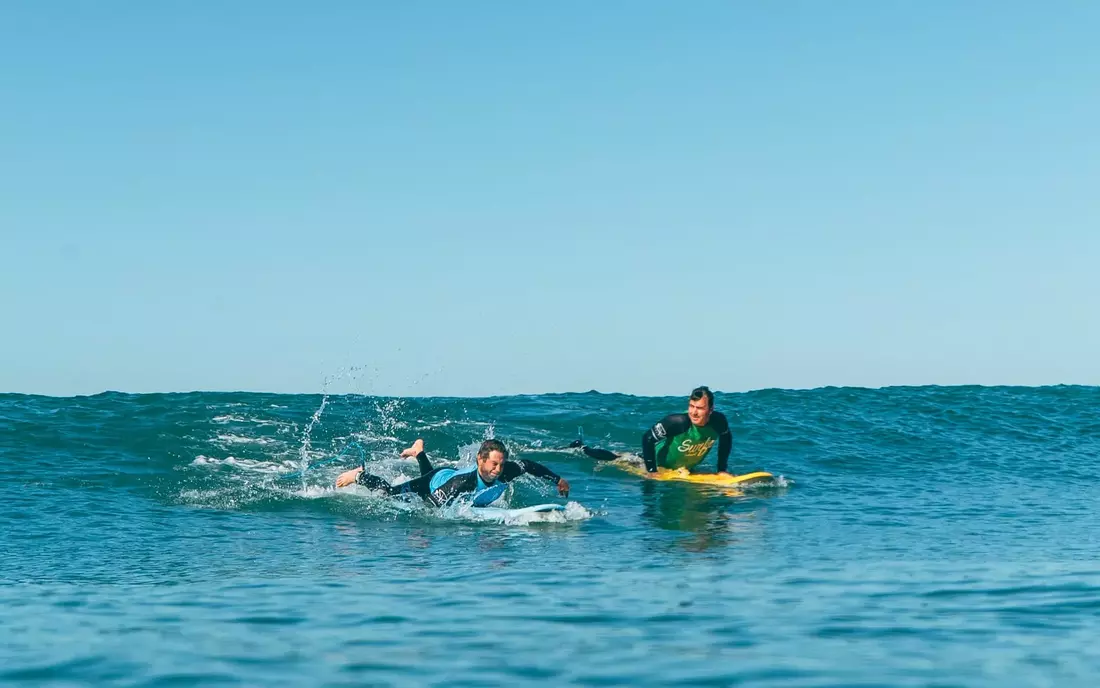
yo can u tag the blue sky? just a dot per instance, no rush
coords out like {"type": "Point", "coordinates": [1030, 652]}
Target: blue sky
{"type": "Point", "coordinates": [498, 197]}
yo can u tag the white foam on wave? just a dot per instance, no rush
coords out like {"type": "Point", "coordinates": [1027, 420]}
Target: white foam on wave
{"type": "Point", "coordinates": [371, 502]}
{"type": "Point", "coordinates": [252, 465]}
{"type": "Point", "coordinates": [231, 418]}
{"type": "Point", "coordinates": [776, 482]}
{"type": "Point", "coordinates": [464, 511]}
{"type": "Point", "coordinates": [428, 425]}
{"type": "Point", "coordinates": [240, 439]}
{"type": "Point", "coordinates": [315, 491]}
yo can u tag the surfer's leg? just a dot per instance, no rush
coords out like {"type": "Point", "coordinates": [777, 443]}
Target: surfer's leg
{"type": "Point", "coordinates": [373, 482]}
{"type": "Point", "coordinates": [421, 486]}
{"type": "Point", "coordinates": [417, 450]}
{"type": "Point", "coordinates": [592, 452]}
{"type": "Point", "coordinates": [599, 454]}
{"type": "Point", "coordinates": [425, 465]}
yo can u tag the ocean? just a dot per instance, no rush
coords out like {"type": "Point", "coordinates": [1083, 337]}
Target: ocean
{"type": "Point", "coordinates": [915, 536]}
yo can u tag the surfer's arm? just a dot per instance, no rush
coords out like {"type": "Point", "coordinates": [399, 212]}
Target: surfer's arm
{"type": "Point", "coordinates": [658, 435]}
{"type": "Point", "coordinates": [725, 445]}
{"type": "Point", "coordinates": [649, 451]}
{"type": "Point", "coordinates": [725, 440]}
{"type": "Point", "coordinates": [517, 467]}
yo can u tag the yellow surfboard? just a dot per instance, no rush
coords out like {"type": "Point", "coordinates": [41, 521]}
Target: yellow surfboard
{"type": "Point", "coordinates": [685, 476]}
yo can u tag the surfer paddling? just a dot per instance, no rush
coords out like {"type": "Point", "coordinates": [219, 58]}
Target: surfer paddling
{"type": "Point", "coordinates": [680, 440]}
{"type": "Point", "coordinates": [486, 480]}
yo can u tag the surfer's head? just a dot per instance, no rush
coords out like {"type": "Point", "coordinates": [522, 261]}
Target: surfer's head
{"type": "Point", "coordinates": [700, 406]}
{"type": "Point", "coordinates": [490, 459]}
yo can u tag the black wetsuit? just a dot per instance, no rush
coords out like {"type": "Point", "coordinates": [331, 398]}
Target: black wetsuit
{"type": "Point", "coordinates": [436, 486]}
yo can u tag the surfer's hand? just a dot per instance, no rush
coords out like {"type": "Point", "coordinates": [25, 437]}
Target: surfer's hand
{"type": "Point", "coordinates": [348, 477]}
{"type": "Point", "coordinates": [563, 487]}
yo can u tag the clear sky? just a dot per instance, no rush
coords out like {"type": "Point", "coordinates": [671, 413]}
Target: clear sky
{"type": "Point", "coordinates": [470, 198]}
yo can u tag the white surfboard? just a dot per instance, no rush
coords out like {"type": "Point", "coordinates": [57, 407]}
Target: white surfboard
{"type": "Point", "coordinates": [526, 513]}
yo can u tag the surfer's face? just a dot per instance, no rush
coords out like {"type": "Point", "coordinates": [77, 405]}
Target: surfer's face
{"type": "Point", "coordinates": [699, 411]}
{"type": "Point", "coordinates": [490, 466]}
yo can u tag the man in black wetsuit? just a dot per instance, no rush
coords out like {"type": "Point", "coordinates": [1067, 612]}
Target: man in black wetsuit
{"type": "Point", "coordinates": [486, 480]}
{"type": "Point", "coordinates": [681, 440]}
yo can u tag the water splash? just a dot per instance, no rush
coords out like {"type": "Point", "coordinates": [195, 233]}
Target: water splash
{"type": "Point", "coordinates": [303, 451]}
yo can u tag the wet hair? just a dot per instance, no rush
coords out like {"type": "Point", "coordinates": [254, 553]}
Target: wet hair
{"type": "Point", "coordinates": [700, 392]}
{"type": "Point", "coordinates": [490, 446]}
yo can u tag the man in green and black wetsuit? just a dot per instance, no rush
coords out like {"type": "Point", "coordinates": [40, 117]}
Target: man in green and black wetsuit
{"type": "Point", "coordinates": [681, 440]}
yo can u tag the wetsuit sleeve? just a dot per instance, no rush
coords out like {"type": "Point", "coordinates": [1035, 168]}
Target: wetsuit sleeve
{"type": "Point", "coordinates": [725, 439]}
{"type": "Point", "coordinates": [462, 482]}
{"type": "Point", "coordinates": [514, 469]}
{"type": "Point", "coordinates": [661, 431]}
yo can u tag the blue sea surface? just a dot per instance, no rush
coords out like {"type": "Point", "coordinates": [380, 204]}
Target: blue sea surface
{"type": "Point", "coordinates": [915, 537]}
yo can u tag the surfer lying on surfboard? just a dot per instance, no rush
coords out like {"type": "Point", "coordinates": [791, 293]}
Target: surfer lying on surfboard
{"type": "Point", "coordinates": [680, 440]}
{"type": "Point", "coordinates": [486, 481]}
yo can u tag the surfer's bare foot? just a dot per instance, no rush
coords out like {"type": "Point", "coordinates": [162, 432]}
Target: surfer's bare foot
{"type": "Point", "coordinates": [348, 477]}
{"type": "Point", "coordinates": [416, 448]}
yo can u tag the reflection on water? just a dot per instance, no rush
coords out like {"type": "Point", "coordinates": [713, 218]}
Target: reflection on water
{"type": "Point", "coordinates": [714, 517]}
